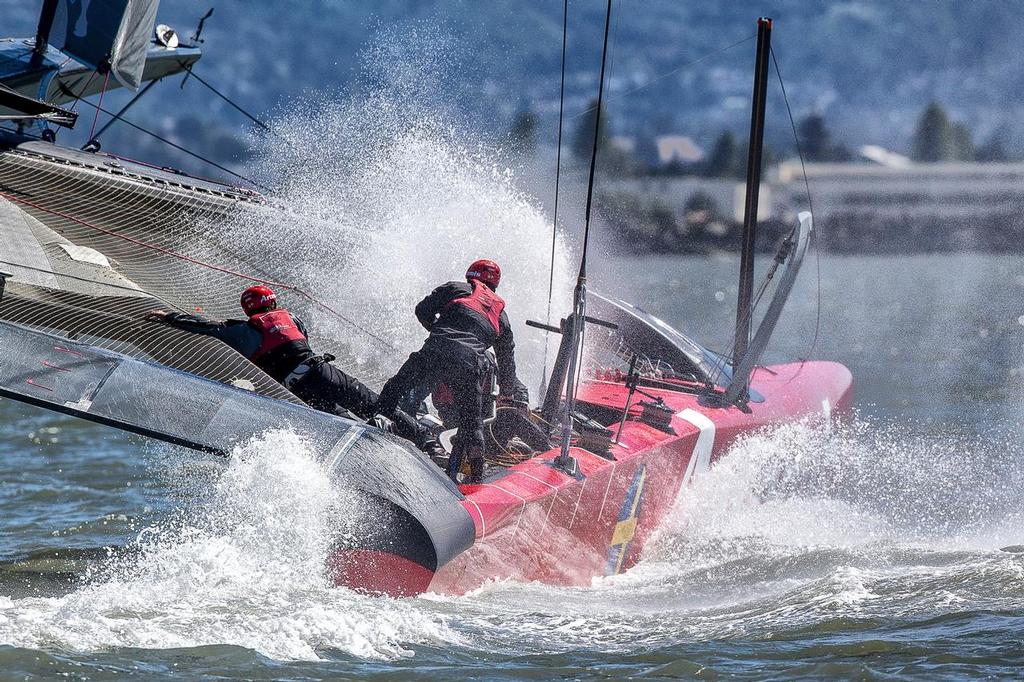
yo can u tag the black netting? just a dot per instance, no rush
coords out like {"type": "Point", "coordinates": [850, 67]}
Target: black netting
{"type": "Point", "coordinates": [120, 327]}
{"type": "Point", "coordinates": [159, 236]}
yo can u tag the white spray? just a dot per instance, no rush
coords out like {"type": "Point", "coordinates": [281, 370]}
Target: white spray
{"type": "Point", "coordinates": [383, 198]}
{"type": "Point", "coordinates": [245, 567]}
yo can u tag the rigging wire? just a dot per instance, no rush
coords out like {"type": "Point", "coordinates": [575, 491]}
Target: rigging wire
{"type": "Point", "coordinates": [810, 207]}
{"type": "Point", "coordinates": [227, 99]}
{"type": "Point", "coordinates": [593, 153]}
{"type": "Point", "coordinates": [611, 68]}
{"type": "Point", "coordinates": [182, 149]}
{"type": "Point", "coordinates": [125, 108]}
{"type": "Point", "coordinates": [99, 107]}
{"type": "Point", "coordinates": [558, 177]}
{"type": "Point", "coordinates": [580, 295]}
{"type": "Point", "coordinates": [78, 97]}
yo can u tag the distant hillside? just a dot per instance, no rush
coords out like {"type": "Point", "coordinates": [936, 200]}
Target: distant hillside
{"type": "Point", "coordinates": [869, 65]}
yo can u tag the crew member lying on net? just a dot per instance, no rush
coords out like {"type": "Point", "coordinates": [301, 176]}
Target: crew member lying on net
{"type": "Point", "coordinates": [276, 342]}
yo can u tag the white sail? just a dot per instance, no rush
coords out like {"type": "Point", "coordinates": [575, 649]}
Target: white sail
{"type": "Point", "coordinates": [128, 58]}
{"type": "Point", "coordinates": [114, 32]}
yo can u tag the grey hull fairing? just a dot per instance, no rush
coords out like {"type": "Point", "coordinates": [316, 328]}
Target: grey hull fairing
{"type": "Point", "coordinates": [59, 80]}
{"type": "Point", "coordinates": [109, 388]}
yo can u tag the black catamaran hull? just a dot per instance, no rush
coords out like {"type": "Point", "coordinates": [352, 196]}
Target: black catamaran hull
{"type": "Point", "coordinates": [397, 501]}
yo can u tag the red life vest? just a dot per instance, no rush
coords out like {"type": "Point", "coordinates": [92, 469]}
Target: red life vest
{"type": "Point", "coordinates": [283, 346]}
{"type": "Point", "coordinates": [485, 303]}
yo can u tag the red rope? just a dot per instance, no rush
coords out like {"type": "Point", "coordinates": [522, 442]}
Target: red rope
{"type": "Point", "coordinates": [103, 91]}
{"type": "Point", "coordinates": [195, 261]}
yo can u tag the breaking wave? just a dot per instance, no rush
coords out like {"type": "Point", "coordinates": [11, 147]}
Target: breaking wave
{"type": "Point", "coordinates": [798, 531]}
{"type": "Point", "coordinates": [862, 483]}
{"type": "Point", "coordinates": [245, 567]}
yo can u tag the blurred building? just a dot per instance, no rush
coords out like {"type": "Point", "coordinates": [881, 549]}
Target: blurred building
{"type": "Point", "coordinates": [678, 149]}
{"type": "Point", "coordinates": [934, 205]}
{"type": "Point", "coordinates": [676, 191]}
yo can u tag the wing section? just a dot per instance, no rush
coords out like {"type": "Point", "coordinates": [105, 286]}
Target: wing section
{"type": "Point", "coordinates": [52, 372]}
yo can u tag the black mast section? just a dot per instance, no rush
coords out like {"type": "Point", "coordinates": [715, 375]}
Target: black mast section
{"type": "Point", "coordinates": [746, 288]}
{"type": "Point", "coordinates": [43, 31]}
{"type": "Point", "coordinates": [579, 315]}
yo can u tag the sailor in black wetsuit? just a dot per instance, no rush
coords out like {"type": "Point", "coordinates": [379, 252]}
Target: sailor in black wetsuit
{"type": "Point", "coordinates": [464, 320]}
{"type": "Point", "coordinates": [276, 342]}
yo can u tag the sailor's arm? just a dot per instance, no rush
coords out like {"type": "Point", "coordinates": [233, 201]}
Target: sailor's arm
{"type": "Point", "coordinates": [428, 309]}
{"type": "Point", "coordinates": [505, 352]}
{"type": "Point", "coordinates": [236, 333]}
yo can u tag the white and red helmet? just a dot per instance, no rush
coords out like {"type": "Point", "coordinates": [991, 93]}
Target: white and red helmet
{"type": "Point", "coordinates": [258, 299]}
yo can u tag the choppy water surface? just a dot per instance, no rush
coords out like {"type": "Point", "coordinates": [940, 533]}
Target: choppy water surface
{"type": "Point", "coordinates": [886, 548]}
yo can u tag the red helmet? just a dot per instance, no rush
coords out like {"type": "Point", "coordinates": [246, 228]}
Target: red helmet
{"type": "Point", "coordinates": [258, 299]}
{"type": "Point", "coordinates": [487, 271]}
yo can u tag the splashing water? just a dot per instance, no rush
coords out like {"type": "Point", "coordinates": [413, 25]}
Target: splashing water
{"type": "Point", "coordinates": [859, 484]}
{"type": "Point", "coordinates": [244, 568]}
{"type": "Point", "coordinates": [383, 198]}
{"type": "Point", "coordinates": [795, 532]}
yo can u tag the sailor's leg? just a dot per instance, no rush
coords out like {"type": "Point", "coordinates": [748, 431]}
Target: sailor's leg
{"type": "Point", "coordinates": [330, 389]}
{"type": "Point", "coordinates": [410, 429]}
{"type": "Point", "coordinates": [416, 370]}
{"type": "Point", "coordinates": [413, 401]}
{"type": "Point", "coordinates": [469, 439]}
{"type": "Point", "coordinates": [327, 388]}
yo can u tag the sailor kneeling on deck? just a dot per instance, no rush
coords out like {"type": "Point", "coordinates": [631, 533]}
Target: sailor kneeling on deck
{"type": "Point", "coordinates": [276, 341]}
{"type": "Point", "coordinates": [464, 320]}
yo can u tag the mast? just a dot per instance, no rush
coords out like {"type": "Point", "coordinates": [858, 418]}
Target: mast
{"type": "Point", "coordinates": [577, 320]}
{"type": "Point", "coordinates": [756, 145]}
{"type": "Point", "coordinates": [46, 17]}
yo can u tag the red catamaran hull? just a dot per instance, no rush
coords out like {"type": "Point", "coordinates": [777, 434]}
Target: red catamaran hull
{"type": "Point", "coordinates": [535, 522]}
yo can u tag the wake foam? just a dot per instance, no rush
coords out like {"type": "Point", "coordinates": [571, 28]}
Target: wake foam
{"type": "Point", "coordinates": [861, 483]}
{"type": "Point", "coordinates": [245, 567]}
{"type": "Point", "coordinates": [796, 529]}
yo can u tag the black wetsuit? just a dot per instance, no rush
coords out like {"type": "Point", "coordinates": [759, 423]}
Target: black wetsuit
{"type": "Point", "coordinates": [323, 387]}
{"type": "Point", "coordinates": [455, 354]}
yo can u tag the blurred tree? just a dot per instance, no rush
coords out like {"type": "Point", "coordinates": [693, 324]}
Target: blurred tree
{"type": "Point", "coordinates": [583, 139]}
{"type": "Point", "coordinates": [963, 147]}
{"type": "Point", "coordinates": [932, 137]}
{"type": "Point", "coordinates": [523, 133]}
{"type": "Point", "coordinates": [815, 138]}
{"type": "Point", "coordinates": [647, 152]}
{"type": "Point", "coordinates": [618, 161]}
{"type": "Point", "coordinates": [816, 141]}
{"type": "Point", "coordinates": [728, 158]}
{"type": "Point", "coordinates": [663, 221]}
{"type": "Point", "coordinates": [994, 149]}
{"type": "Point", "coordinates": [722, 161]}
{"type": "Point", "coordinates": [939, 139]}
{"type": "Point", "coordinates": [673, 167]}
{"type": "Point", "coordinates": [700, 208]}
